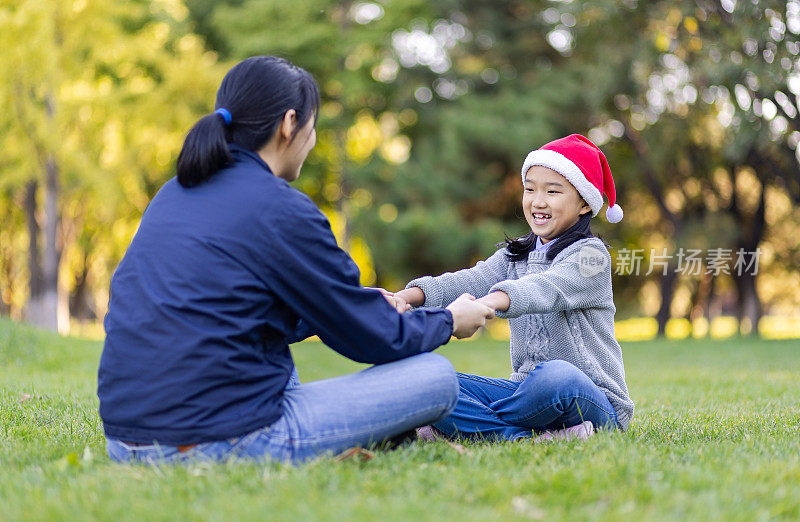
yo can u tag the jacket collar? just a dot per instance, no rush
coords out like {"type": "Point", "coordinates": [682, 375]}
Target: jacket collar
{"type": "Point", "coordinates": [242, 154]}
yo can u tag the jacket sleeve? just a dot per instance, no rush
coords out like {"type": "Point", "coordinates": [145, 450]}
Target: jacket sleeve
{"type": "Point", "coordinates": [566, 285]}
{"type": "Point", "coordinates": [444, 289]}
{"type": "Point", "coordinates": [301, 332]}
{"type": "Point", "coordinates": [319, 282]}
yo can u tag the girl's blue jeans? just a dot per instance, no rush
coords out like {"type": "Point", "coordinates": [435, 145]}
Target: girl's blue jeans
{"type": "Point", "coordinates": [555, 395]}
{"type": "Point", "coordinates": [330, 416]}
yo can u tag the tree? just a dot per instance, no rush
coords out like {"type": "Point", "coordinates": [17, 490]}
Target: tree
{"type": "Point", "coordinates": [99, 96]}
{"type": "Point", "coordinates": [699, 92]}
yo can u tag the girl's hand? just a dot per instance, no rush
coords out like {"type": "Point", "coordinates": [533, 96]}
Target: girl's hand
{"type": "Point", "coordinates": [468, 315]}
{"type": "Point", "coordinates": [397, 302]}
{"type": "Point", "coordinates": [498, 300]}
{"type": "Point", "coordinates": [413, 296]}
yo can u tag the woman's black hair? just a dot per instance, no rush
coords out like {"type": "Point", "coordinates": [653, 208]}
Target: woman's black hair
{"type": "Point", "coordinates": [518, 248]}
{"type": "Point", "coordinates": [256, 92]}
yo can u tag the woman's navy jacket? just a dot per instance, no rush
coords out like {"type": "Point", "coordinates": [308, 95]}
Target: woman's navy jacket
{"type": "Point", "coordinates": [216, 283]}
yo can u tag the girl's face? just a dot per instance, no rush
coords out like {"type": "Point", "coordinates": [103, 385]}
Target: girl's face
{"type": "Point", "coordinates": [550, 203]}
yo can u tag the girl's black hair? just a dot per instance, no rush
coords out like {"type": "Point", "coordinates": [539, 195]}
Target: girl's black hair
{"type": "Point", "coordinates": [257, 93]}
{"type": "Point", "coordinates": [518, 248]}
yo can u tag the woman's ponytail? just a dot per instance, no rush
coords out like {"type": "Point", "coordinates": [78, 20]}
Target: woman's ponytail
{"type": "Point", "coordinates": [205, 150]}
{"type": "Point", "coordinates": [259, 91]}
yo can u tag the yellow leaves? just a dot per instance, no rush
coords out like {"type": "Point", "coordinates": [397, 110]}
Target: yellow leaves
{"type": "Point", "coordinates": [367, 135]}
{"type": "Point", "coordinates": [112, 144]}
{"type": "Point", "coordinates": [75, 91]}
{"type": "Point", "coordinates": [470, 64]}
{"type": "Point", "coordinates": [156, 33]}
{"type": "Point", "coordinates": [190, 43]}
{"type": "Point", "coordinates": [690, 23]}
{"type": "Point", "coordinates": [326, 149]}
{"type": "Point", "coordinates": [674, 17]}
{"type": "Point", "coordinates": [748, 189]}
{"type": "Point", "coordinates": [407, 117]}
{"type": "Point", "coordinates": [387, 212]}
{"type": "Point", "coordinates": [141, 84]}
{"type": "Point", "coordinates": [662, 42]}
{"type": "Point", "coordinates": [360, 253]}
{"type": "Point", "coordinates": [355, 246]}
{"type": "Point", "coordinates": [778, 205]}
{"type": "Point", "coordinates": [674, 200]}
{"type": "Point", "coordinates": [363, 138]}
{"type": "Point", "coordinates": [361, 198]}
{"type": "Point", "coordinates": [332, 192]}
{"type": "Point", "coordinates": [78, 6]}
{"type": "Point", "coordinates": [331, 109]}
{"type": "Point", "coordinates": [174, 8]}
{"type": "Point", "coordinates": [396, 150]}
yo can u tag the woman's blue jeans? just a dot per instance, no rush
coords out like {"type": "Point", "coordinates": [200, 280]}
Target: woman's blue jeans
{"type": "Point", "coordinates": [555, 395]}
{"type": "Point", "coordinates": [330, 416]}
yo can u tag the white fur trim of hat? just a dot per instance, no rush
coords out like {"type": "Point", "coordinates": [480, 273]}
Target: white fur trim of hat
{"type": "Point", "coordinates": [564, 166]}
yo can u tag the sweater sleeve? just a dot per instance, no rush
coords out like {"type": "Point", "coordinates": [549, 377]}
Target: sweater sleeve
{"type": "Point", "coordinates": [579, 279]}
{"type": "Point", "coordinates": [442, 290]}
{"type": "Point", "coordinates": [319, 282]}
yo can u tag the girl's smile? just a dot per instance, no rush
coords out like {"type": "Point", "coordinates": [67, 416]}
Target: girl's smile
{"type": "Point", "coordinates": [550, 203]}
{"type": "Point", "coordinates": [540, 218]}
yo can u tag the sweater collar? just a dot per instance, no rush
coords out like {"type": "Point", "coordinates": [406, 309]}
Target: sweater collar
{"type": "Point", "coordinates": [542, 246]}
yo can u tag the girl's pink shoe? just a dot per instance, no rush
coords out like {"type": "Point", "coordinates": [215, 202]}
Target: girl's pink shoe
{"type": "Point", "coordinates": [430, 434]}
{"type": "Point", "coordinates": [582, 431]}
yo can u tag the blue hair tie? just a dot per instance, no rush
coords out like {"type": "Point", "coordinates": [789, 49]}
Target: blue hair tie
{"type": "Point", "coordinates": [226, 115]}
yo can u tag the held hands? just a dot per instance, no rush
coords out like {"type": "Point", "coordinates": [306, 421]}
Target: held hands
{"type": "Point", "coordinates": [412, 295]}
{"type": "Point", "coordinates": [396, 301]}
{"type": "Point", "coordinates": [468, 315]}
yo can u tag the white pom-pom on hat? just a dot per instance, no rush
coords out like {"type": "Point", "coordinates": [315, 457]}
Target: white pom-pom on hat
{"type": "Point", "coordinates": [614, 214]}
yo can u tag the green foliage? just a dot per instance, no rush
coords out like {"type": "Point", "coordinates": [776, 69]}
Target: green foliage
{"type": "Point", "coordinates": [106, 90]}
{"type": "Point", "coordinates": [418, 154]}
{"type": "Point", "coordinates": [715, 437]}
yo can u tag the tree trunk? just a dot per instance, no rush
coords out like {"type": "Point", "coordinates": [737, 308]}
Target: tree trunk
{"type": "Point", "coordinates": [80, 304]}
{"type": "Point", "coordinates": [709, 308]}
{"type": "Point", "coordinates": [748, 305]}
{"type": "Point", "coordinates": [46, 307]}
{"type": "Point", "coordinates": [667, 292]}
{"type": "Point", "coordinates": [34, 310]}
{"type": "Point", "coordinates": [52, 251]}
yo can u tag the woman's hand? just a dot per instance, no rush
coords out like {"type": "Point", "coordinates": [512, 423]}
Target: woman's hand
{"type": "Point", "coordinates": [468, 315]}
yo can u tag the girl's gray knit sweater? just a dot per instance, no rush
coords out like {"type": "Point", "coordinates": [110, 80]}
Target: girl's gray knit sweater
{"type": "Point", "coordinates": [562, 309]}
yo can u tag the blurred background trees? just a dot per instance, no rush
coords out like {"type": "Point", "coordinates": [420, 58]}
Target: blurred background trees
{"type": "Point", "coordinates": [428, 111]}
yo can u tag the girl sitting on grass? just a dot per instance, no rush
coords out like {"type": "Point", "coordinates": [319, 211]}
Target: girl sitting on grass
{"type": "Point", "coordinates": [554, 284]}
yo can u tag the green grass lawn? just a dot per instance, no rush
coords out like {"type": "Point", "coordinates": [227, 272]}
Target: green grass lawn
{"type": "Point", "coordinates": [716, 436]}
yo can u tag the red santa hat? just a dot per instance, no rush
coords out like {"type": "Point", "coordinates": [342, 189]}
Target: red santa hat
{"type": "Point", "coordinates": [585, 166]}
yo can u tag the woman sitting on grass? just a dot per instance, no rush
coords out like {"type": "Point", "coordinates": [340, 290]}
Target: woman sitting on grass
{"type": "Point", "coordinates": [228, 267]}
{"type": "Point", "coordinates": [555, 286]}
